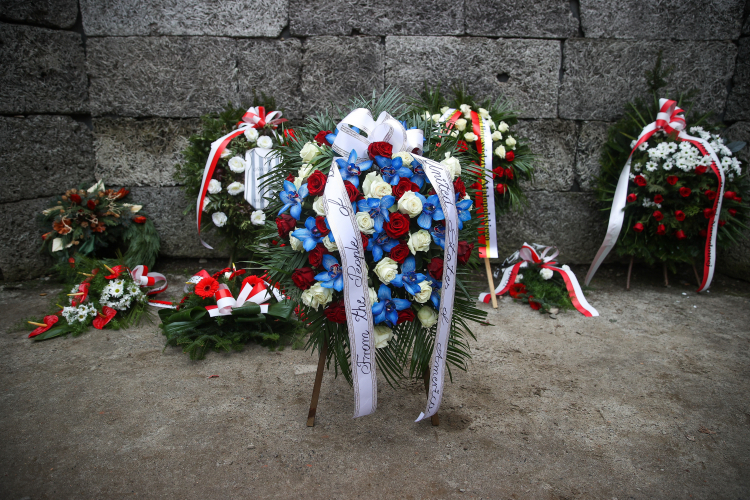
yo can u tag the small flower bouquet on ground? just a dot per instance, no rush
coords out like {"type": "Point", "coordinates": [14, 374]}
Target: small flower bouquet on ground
{"type": "Point", "coordinates": [96, 222]}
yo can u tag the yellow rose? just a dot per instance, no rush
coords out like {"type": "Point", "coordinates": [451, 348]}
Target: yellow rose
{"type": "Point", "coordinates": [410, 204]}
{"type": "Point", "coordinates": [386, 269]}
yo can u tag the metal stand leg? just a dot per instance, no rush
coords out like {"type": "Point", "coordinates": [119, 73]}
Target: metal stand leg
{"type": "Point", "coordinates": [630, 271]}
{"type": "Point", "coordinates": [697, 278]}
{"type": "Point", "coordinates": [666, 275]}
{"type": "Point", "coordinates": [316, 387]}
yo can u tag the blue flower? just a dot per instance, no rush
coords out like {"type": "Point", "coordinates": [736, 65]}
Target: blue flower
{"type": "Point", "coordinates": [438, 235]}
{"type": "Point", "coordinates": [380, 243]}
{"type": "Point", "coordinates": [408, 278]}
{"type": "Point", "coordinates": [392, 170]}
{"type": "Point", "coordinates": [350, 170]}
{"type": "Point", "coordinates": [418, 177]}
{"type": "Point", "coordinates": [386, 309]}
{"type": "Point", "coordinates": [435, 296]}
{"type": "Point", "coordinates": [332, 277]}
{"type": "Point", "coordinates": [430, 211]}
{"type": "Point", "coordinates": [310, 236]}
{"type": "Point", "coordinates": [332, 136]}
{"type": "Point", "coordinates": [378, 209]}
{"type": "Point", "coordinates": [292, 199]}
{"type": "Point", "coordinates": [462, 207]}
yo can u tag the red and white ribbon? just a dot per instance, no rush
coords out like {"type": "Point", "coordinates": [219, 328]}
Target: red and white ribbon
{"type": "Point", "coordinates": [144, 278]}
{"type": "Point", "coordinates": [253, 289]}
{"type": "Point", "coordinates": [527, 254]}
{"type": "Point", "coordinates": [257, 118]}
{"type": "Point", "coordinates": [670, 120]}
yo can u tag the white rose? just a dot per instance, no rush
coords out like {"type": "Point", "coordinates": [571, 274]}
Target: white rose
{"type": "Point", "coordinates": [484, 113]}
{"type": "Point", "coordinates": [330, 245]}
{"type": "Point", "coordinates": [369, 179]}
{"type": "Point", "coordinates": [492, 125]}
{"type": "Point", "coordinates": [546, 273]}
{"type": "Point", "coordinates": [566, 267]}
{"type": "Point", "coordinates": [419, 241]}
{"type": "Point", "coordinates": [265, 142]}
{"type": "Point", "coordinates": [308, 152]}
{"type": "Point", "coordinates": [386, 269]}
{"type": "Point", "coordinates": [410, 205]}
{"type": "Point", "coordinates": [226, 153]}
{"type": "Point", "coordinates": [465, 108]}
{"type": "Point", "coordinates": [214, 186]}
{"type": "Point", "coordinates": [454, 133]}
{"type": "Point", "coordinates": [237, 164]}
{"type": "Point", "coordinates": [382, 335]}
{"type": "Point", "coordinates": [470, 137]}
{"type": "Point", "coordinates": [373, 295]}
{"type": "Point", "coordinates": [444, 109]}
{"type": "Point", "coordinates": [219, 218]}
{"type": "Point", "coordinates": [452, 165]}
{"type": "Point", "coordinates": [206, 202]}
{"type": "Point", "coordinates": [497, 136]}
{"type": "Point", "coordinates": [319, 207]}
{"type": "Point", "coordinates": [406, 158]}
{"type": "Point", "coordinates": [461, 124]}
{"type": "Point", "coordinates": [500, 151]}
{"type": "Point", "coordinates": [365, 222]}
{"type": "Point", "coordinates": [427, 316]}
{"type": "Point", "coordinates": [258, 217]}
{"type": "Point", "coordinates": [436, 117]}
{"type": "Point", "coordinates": [251, 134]}
{"type": "Point", "coordinates": [503, 127]}
{"type": "Point", "coordinates": [380, 188]}
{"type": "Point", "coordinates": [510, 142]}
{"type": "Point", "coordinates": [424, 294]}
{"type": "Point", "coordinates": [236, 188]}
{"type": "Point", "coordinates": [305, 171]}
{"type": "Point", "coordinates": [296, 244]}
{"type": "Point", "coordinates": [316, 296]}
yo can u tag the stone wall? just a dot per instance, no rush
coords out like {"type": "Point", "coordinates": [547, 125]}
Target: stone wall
{"type": "Point", "coordinates": [111, 88]}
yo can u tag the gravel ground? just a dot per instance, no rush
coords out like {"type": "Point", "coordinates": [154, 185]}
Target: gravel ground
{"type": "Point", "coordinates": [650, 400]}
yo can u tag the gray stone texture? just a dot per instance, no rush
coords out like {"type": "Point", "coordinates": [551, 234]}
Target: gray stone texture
{"type": "Point", "coordinates": [133, 152]}
{"type": "Point", "coordinates": [569, 221]}
{"type": "Point", "coordinates": [261, 18]}
{"type": "Point", "coordinates": [337, 69]}
{"type": "Point", "coordinates": [738, 104]}
{"type": "Point", "coordinates": [390, 17]}
{"type": "Point", "coordinates": [740, 131]}
{"type": "Point", "coordinates": [52, 13]}
{"type": "Point", "coordinates": [43, 156]}
{"type": "Point", "coordinates": [554, 144]}
{"type": "Point", "coordinates": [521, 18]}
{"type": "Point", "coordinates": [601, 76]}
{"type": "Point", "coordinates": [735, 261]}
{"type": "Point", "coordinates": [20, 240]}
{"type": "Point", "coordinates": [43, 71]}
{"type": "Point", "coordinates": [178, 233]}
{"type": "Point", "coordinates": [530, 68]}
{"type": "Point", "coordinates": [591, 139]}
{"type": "Point", "coordinates": [666, 20]}
{"type": "Point", "coordinates": [161, 76]}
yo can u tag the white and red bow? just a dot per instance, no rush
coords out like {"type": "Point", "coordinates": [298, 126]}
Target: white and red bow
{"type": "Point", "coordinates": [256, 117]}
{"type": "Point", "coordinates": [253, 289]}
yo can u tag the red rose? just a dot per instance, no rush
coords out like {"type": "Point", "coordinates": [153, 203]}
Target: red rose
{"type": "Point", "coordinates": [499, 172]}
{"type": "Point", "coordinates": [658, 216]}
{"type": "Point", "coordinates": [679, 215]}
{"type": "Point", "coordinates": [733, 212]}
{"type": "Point", "coordinates": [534, 304]}
{"type": "Point", "coordinates": [365, 240]}
{"type": "Point", "coordinates": [320, 223]}
{"type": "Point", "coordinates": [632, 197]}
{"type": "Point", "coordinates": [400, 252]}
{"type": "Point", "coordinates": [711, 195]}
{"type": "Point", "coordinates": [661, 230]}
{"type": "Point", "coordinates": [353, 192]}
{"type": "Point", "coordinates": [509, 173]}
{"type": "Point", "coordinates": [730, 195]}
{"type": "Point", "coordinates": [397, 226]}
{"type": "Point", "coordinates": [435, 268]}
{"type": "Point", "coordinates": [501, 189]}
{"type": "Point", "coordinates": [405, 316]}
{"type": "Point", "coordinates": [680, 234]}
{"type": "Point", "coordinates": [139, 220]}
{"type": "Point", "coordinates": [75, 198]}
{"type": "Point", "coordinates": [464, 251]}
{"type": "Point", "coordinates": [702, 233]}
{"type": "Point", "coordinates": [289, 134]}
{"type": "Point", "coordinates": [640, 180]}
{"type": "Point", "coordinates": [461, 146]}
{"type": "Point", "coordinates": [315, 256]}
{"type": "Point", "coordinates": [658, 198]}
{"type": "Point", "coordinates": [738, 199]}
{"type": "Point", "coordinates": [379, 149]}
{"type": "Point", "coordinates": [304, 277]}
{"type": "Point", "coordinates": [320, 137]}
{"type": "Point", "coordinates": [685, 192]}
{"type": "Point", "coordinates": [510, 156]}
{"type": "Point", "coordinates": [336, 311]}
{"type": "Point", "coordinates": [476, 185]}
{"type": "Point", "coordinates": [316, 183]}
{"type": "Point", "coordinates": [638, 228]}
{"type": "Point", "coordinates": [459, 187]}
{"type": "Point", "coordinates": [404, 185]}
{"type": "Point", "coordinates": [92, 204]}
{"type": "Point", "coordinates": [672, 180]}
{"type": "Point", "coordinates": [290, 177]}
{"type": "Point", "coordinates": [517, 289]}
{"type": "Point", "coordinates": [722, 222]}
{"type": "Point", "coordinates": [701, 169]}
{"type": "Point", "coordinates": [285, 224]}
{"type": "Point", "coordinates": [708, 212]}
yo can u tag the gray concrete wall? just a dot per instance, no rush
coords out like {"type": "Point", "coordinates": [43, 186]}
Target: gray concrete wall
{"type": "Point", "coordinates": [111, 88]}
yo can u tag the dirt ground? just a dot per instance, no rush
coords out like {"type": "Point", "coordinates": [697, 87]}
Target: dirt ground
{"type": "Point", "coordinates": [650, 400]}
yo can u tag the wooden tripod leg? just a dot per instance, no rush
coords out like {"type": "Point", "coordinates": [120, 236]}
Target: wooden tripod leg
{"type": "Point", "coordinates": [697, 278]}
{"type": "Point", "coordinates": [666, 275]}
{"type": "Point", "coordinates": [435, 419]}
{"type": "Point", "coordinates": [630, 271]}
{"type": "Point", "coordinates": [316, 387]}
{"type": "Point", "coordinates": [491, 282]}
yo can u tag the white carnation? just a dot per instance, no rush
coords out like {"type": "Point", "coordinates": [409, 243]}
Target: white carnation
{"type": "Point", "coordinates": [251, 134]}
{"type": "Point", "coordinates": [214, 186]}
{"type": "Point", "coordinates": [219, 218]}
{"type": "Point", "coordinates": [265, 142]}
{"type": "Point", "coordinates": [237, 164]}
{"type": "Point", "coordinates": [258, 218]}
{"type": "Point", "coordinates": [386, 269]}
{"type": "Point", "coordinates": [236, 188]}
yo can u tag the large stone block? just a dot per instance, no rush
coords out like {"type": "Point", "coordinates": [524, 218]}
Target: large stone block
{"type": "Point", "coordinates": [392, 17]}
{"type": "Point", "coordinates": [43, 156]}
{"type": "Point", "coordinates": [337, 69]}
{"type": "Point", "coordinates": [52, 13]}
{"type": "Point", "coordinates": [740, 131]}
{"type": "Point", "coordinates": [554, 144]}
{"type": "Point", "coordinates": [43, 71]}
{"type": "Point", "coordinates": [524, 71]}
{"type": "Point", "coordinates": [521, 18]}
{"type": "Point", "coordinates": [272, 67]}
{"type": "Point", "coordinates": [133, 152]}
{"type": "Point", "coordinates": [161, 76]}
{"type": "Point", "coordinates": [591, 139]}
{"type": "Point", "coordinates": [601, 76]}
{"type": "Point", "coordinates": [263, 18]}
{"type": "Point", "coordinates": [738, 104]}
{"type": "Point", "coordinates": [667, 20]}
{"type": "Point", "coordinates": [179, 237]}
{"type": "Point", "coordinates": [20, 240]}
{"type": "Point", "coordinates": [570, 221]}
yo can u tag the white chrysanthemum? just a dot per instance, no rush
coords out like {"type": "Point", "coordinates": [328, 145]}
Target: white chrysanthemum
{"type": "Point", "coordinates": [214, 186]}
{"type": "Point", "coordinates": [633, 143]}
{"type": "Point", "coordinates": [651, 166]}
{"type": "Point", "coordinates": [236, 188]}
{"type": "Point", "coordinates": [219, 218]}
{"type": "Point", "coordinates": [667, 165]}
{"type": "Point", "coordinates": [251, 134]}
{"type": "Point", "coordinates": [258, 218]}
{"type": "Point", "coordinates": [236, 165]}
{"type": "Point", "coordinates": [546, 273]}
{"type": "Point", "coordinates": [643, 147]}
{"type": "Point", "coordinates": [265, 142]}
{"type": "Point", "coordinates": [116, 287]}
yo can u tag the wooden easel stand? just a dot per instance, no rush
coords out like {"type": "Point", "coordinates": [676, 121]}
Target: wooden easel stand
{"type": "Point", "coordinates": [491, 282]}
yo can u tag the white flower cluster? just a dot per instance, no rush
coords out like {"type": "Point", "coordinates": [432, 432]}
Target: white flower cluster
{"type": "Point", "coordinates": [80, 313]}
{"type": "Point", "coordinates": [460, 129]}
{"type": "Point", "coordinates": [648, 203]}
{"type": "Point", "coordinates": [119, 295]}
